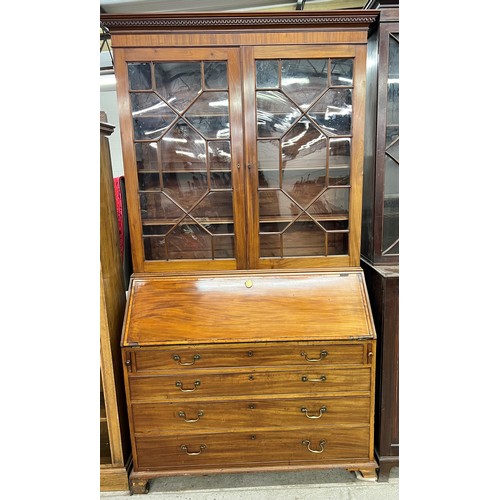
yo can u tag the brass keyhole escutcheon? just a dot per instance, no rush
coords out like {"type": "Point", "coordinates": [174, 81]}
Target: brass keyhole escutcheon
{"type": "Point", "coordinates": [249, 283]}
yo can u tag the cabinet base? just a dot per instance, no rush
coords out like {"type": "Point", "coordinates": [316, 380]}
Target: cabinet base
{"type": "Point", "coordinates": [385, 466]}
{"type": "Point", "coordinates": [139, 481]}
{"type": "Point", "coordinates": [114, 479]}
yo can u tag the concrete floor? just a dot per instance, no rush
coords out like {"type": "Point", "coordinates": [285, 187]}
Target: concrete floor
{"type": "Point", "coordinates": [335, 484]}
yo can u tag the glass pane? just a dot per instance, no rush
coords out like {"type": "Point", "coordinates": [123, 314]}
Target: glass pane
{"type": "Point", "coordinates": [340, 162]}
{"type": "Point", "coordinates": [154, 248]}
{"type": "Point", "coordinates": [139, 76]}
{"type": "Point", "coordinates": [216, 204]}
{"type": "Point", "coordinates": [223, 247]}
{"type": "Point", "coordinates": [270, 245]}
{"type": "Point", "coordinates": [149, 181]}
{"type": "Point", "coordinates": [334, 112]}
{"type": "Point", "coordinates": [182, 149]}
{"type": "Point", "coordinates": [393, 89]}
{"type": "Point", "coordinates": [393, 150]}
{"type": "Point", "coordinates": [210, 115]}
{"type": "Point", "coordinates": [219, 229]}
{"type": "Point", "coordinates": [189, 241]}
{"type": "Point", "coordinates": [275, 203]}
{"type": "Point", "coordinates": [267, 74]}
{"type": "Point", "coordinates": [304, 239]}
{"type": "Point", "coordinates": [304, 162]}
{"type": "Point", "coordinates": [341, 71]}
{"type": "Point", "coordinates": [273, 227]}
{"type": "Point", "coordinates": [158, 206]}
{"type": "Point", "coordinates": [303, 80]}
{"type": "Point", "coordinates": [150, 115]}
{"type": "Point", "coordinates": [220, 180]}
{"type": "Point", "coordinates": [332, 201]}
{"type": "Point", "coordinates": [178, 82]}
{"type": "Point", "coordinates": [338, 243]}
{"type": "Point", "coordinates": [185, 188]}
{"type": "Point", "coordinates": [268, 155]}
{"type": "Point", "coordinates": [219, 154]}
{"type": "Point", "coordinates": [335, 225]}
{"type": "Point", "coordinates": [155, 229]}
{"type": "Point", "coordinates": [215, 75]}
{"type": "Point", "coordinates": [146, 155]}
{"type": "Point", "coordinates": [391, 205]}
{"type": "Point", "coordinates": [275, 113]}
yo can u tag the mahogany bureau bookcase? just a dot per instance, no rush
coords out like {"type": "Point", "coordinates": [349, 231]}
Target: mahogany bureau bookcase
{"type": "Point", "coordinates": [248, 340]}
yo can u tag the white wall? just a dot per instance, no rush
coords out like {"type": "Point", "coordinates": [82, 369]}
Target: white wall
{"type": "Point", "coordinates": [110, 106]}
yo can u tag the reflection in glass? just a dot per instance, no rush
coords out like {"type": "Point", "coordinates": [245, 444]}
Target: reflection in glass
{"type": "Point", "coordinates": [267, 74]}
{"type": "Point", "coordinates": [275, 113]}
{"type": "Point", "coordinates": [304, 239]}
{"type": "Point", "coordinates": [210, 115]}
{"type": "Point", "coordinates": [393, 89]}
{"type": "Point", "coordinates": [332, 201]}
{"type": "Point", "coordinates": [275, 203]}
{"type": "Point", "coordinates": [303, 80]}
{"type": "Point", "coordinates": [215, 204]}
{"type": "Point", "coordinates": [182, 149]}
{"type": "Point", "coordinates": [185, 188]}
{"type": "Point", "coordinates": [340, 162]}
{"type": "Point", "coordinates": [154, 248]}
{"type": "Point", "coordinates": [268, 155]}
{"type": "Point", "coordinates": [219, 154]}
{"type": "Point", "coordinates": [391, 206]}
{"type": "Point", "coordinates": [215, 75]}
{"type": "Point", "coordinates": [148, 181]}
{"type": "Point", "coordinates": [146, 155]}
{"type": "Point", "coordinates": [338, 243]}
{"type": "Point", "coordinates": [341, 73]}
{"type": "Point", "coordinates": [139, 76]}
{"type": "Point", "coordinates": [156, 205]}
{"type": "Point", "coordinates": [178, 82]}
{"type": "Point", "coordinates": [333, 112]}
{"type": "Point", "coordinates": [223, 247]}
{"type": "Point", "coordinates": [270, 245]}
{"type": "Point", "coordinates": [220, 180]}
{"type": "Point", "coordinates": [189, 241]}
{"type": "Point", "coordinates": [150, 115]}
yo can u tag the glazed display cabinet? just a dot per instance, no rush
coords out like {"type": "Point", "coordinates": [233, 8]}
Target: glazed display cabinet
{"type": "Point", "coordinates": [380, 229]}
{"type": "Point", "coordinates": [242, 138]}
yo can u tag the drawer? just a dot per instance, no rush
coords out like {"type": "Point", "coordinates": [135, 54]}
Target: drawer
{"type": "Point", "coordinates": [208, 416]}
{"type": "Point", "coordinates": [300, 446]}
{"type": "Point", "coordinates": [180, 357]}
{"type": "Point", "coordinates": [207, 384]}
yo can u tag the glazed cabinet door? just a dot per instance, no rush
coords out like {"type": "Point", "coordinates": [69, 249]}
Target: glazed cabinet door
{"type": "Point", "coordinates": [183, 150]}
{"type": "Point", "coordinates": [304, 117]}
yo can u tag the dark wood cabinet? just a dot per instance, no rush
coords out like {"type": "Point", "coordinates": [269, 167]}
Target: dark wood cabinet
{"type": "Point", "coordinates": [242, 137]}
{"type": "Point", "coordinates": [380, 223]}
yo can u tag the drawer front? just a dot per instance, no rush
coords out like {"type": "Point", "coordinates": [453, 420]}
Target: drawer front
{"type": "Point", "coordinates": [202, 384]}
{"type": "Point", "coordinates": [252, 448]}
{"type": "Point", "coordinates": [185, 417]}
{"type": "Point", "coordinates": [182, 357]}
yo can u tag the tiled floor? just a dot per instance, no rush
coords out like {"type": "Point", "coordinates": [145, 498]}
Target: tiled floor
{"type": "Point", "coordinates": [305, 485]}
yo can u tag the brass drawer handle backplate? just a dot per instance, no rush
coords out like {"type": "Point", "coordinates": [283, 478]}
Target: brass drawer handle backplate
{"type": "Point", "coordinates": [308, 443]}
{"type": "Point", "coordinates": [185, 448]}
{"type": "Point", "coordinates": [197, 383]}
{"type": "Point", "coordinates": [321, 411]}
{"type": "Point", "coordinates": [321, 379]}
{"type": "Point", "coordinates": [177, 358]}
{"type": "Point", "coordinates": [183, 416]}
{"type": "Point", "coordinates": [322, 355]}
